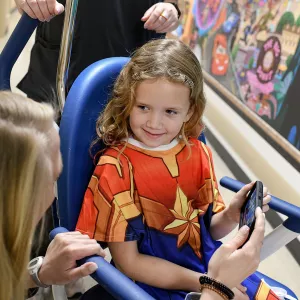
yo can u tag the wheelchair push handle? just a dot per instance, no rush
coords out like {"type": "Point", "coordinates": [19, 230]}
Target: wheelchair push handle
{"type": "Point", "coordinates": [116, 283]}
{"type": "Point", "coordinates": [20, 37]}
{"type": "Point", "coordinates": [14, 47]}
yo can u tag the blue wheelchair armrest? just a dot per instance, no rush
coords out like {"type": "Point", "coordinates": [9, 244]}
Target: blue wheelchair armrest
{"type": "Point", "coordinates": [115, 282]}
{"type": "Point", "coordinates": [14, 47]}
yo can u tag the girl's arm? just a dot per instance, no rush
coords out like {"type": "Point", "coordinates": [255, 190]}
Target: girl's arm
{"type": "Point", "coordinates": [151, 270]}
{"type": "Point", "coordinates": [222, 224]}
{"type": "Point", "coordinates": [225, 221]}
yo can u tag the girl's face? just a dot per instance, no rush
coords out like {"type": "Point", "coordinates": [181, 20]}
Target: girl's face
{"type": "Point", "coordinates": [161, 107]}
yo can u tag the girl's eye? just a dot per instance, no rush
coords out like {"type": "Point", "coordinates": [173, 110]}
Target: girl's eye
{"type": "Point", "coordinates": [143, 107]}
{"type": "Point", "coordinates": [171, 112]}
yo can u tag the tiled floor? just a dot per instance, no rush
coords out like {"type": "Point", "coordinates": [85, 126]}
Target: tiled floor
{"type": "Point", "coordinates": [280, 266]}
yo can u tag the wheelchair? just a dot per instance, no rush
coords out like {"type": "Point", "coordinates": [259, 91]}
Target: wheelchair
{"type": "Point", "coordinates": [85, 100]}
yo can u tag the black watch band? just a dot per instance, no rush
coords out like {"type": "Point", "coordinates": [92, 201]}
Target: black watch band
{"type": "Point", "coordinates": [177, 8]}
{"type": "Point", "coordinates": [220, 288]}
{"type": "Point", "coordinates": [32, 292]}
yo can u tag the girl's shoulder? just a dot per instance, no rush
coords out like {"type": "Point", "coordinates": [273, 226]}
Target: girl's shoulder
{"type": "Point", "coordinates": [113, 152]}
{"type": "Point", "coordinates": [195, 142]}
{"type": "Point", "coordinates": [199, 146]}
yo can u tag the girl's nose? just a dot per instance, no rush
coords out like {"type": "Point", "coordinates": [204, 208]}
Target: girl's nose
{"type": "Point", "coordinates": [154, 121]}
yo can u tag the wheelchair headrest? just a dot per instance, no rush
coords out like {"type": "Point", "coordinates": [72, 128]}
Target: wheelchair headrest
{"type": "Point", "coordinates": [86, 99]}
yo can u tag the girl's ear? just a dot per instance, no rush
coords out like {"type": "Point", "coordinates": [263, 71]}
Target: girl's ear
{"type": "Point", "coordinates": [189, 114]}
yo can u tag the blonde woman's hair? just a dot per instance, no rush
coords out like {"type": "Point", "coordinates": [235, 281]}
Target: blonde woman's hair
{"type": "Point", "coordinates": [163, 58]}
{"type": "Point", "coordinates": [24, 174]}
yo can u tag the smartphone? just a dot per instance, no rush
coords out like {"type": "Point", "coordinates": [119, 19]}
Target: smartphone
{"type": "Point", "coordinates": [254, 199]}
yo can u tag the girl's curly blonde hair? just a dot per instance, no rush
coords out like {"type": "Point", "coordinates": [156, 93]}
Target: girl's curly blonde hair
{"type": "Point", "coordinates": [168, 59]}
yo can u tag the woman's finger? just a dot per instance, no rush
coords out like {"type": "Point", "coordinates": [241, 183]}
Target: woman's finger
{"type": "Point", "coordinates": [169, 28]}
{"type": "Point", "coordinates": [239, 239]}
{"type": "Point", "coordinates": [265, 191]}
{"type": "Point", "coordinates": [265, 208]}
{"type": "Point", "coordinates": [44, 9]}
{"type": "Point", "coordinates": [163, 27]}
{"type": "Point", "coordinates": [266, 199]}
{"type": "Point", "coordinates": [36, 9]}
{"type": "Point", "coordinates": [26, 8]}
{"type": "Point", "coordinates": [155, 15]}
{"type": "Point", "coordinates": [241, 288]}
{"type": "Point", "coordinates": [148, 13]}
{"type": "Point", "coordinates": [257, 236]}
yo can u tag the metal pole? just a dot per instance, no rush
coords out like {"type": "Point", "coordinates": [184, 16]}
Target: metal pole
{"type": "Point", "coordinates": [65, 51]}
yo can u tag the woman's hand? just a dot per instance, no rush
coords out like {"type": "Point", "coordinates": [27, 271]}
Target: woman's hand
{"type": "Point", "coordinates": [59, 265]}
{"type": "Point", "coordinates": [44, 10]}
{"type": "Point", "coordinates": [234, 209]}
{"type": "Point", "coordinates": [161, 17]}
{"type": "Point", "coordinates": [239, 295]}
{"type": "Point", "coordinates": [231, 265]}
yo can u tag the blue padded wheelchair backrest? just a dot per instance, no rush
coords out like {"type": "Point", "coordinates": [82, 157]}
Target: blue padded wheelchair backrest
{"type": "Point", "coordinates": [86, 99]}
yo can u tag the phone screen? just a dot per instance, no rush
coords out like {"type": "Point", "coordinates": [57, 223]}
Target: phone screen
{"type": "Point", "coordinates": [249, 212]}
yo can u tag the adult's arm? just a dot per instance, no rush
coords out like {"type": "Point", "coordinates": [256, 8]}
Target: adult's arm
{"type": "Point", "coordinates": [231, 265]}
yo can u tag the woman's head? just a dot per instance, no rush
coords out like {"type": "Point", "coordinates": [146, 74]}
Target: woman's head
{"type": "Point", "coordinates": [30, 164]}
{"type": "Point", "coordinates": [157, 96]}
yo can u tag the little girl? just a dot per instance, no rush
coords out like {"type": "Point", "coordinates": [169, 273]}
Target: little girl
{"type": "Point", "coordinates": [153, 196]}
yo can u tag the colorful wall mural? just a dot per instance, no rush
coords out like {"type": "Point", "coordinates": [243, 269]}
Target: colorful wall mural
{"type": "Point", "coordinates": [252, 48]}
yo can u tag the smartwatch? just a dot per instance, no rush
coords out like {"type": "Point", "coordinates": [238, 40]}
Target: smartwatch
{"type": "Point", "coordinates": [177, 8]}
{"type": "Point", "coordinates": [33, 268]}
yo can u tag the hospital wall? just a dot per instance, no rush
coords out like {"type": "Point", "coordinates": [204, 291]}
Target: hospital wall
{"type": "Point", "coordinates": [6, 7]}
{"type": "Point", "coordinates": [250, 55]}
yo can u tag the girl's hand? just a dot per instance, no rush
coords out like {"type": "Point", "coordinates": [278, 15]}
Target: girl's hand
{"type": "Point", "coordinates": [234, 209]}
{"type": "Point", "coordinates": [44, 10]}
{"type": "Point", "coordinates": [161, 17]}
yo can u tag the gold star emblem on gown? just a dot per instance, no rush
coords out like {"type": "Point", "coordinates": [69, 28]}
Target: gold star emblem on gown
{"type": "Point", "coordinates": [186, 224]}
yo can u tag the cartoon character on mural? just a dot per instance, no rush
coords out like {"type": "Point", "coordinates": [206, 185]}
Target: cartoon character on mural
{"type": "Point", "coordinates": [252, 48]}
{"type": "Point", "coordinates": [231, 22]}
{"type": "Point", "coordinates": [260, 79]}
{"type": "Point", "coordinates": [262, 56]}
{"type": "Point", "coordinates": [220, 58]}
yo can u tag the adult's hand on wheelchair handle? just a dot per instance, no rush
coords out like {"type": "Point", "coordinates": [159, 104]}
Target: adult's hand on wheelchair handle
{"type": "Point", "coordinates": [161, 17]}
{"type": "Point", "coordinates": [59, 265]}
{"type": "Point", "coordinates": [44, 10]}
{"type": "Point", "coordinates": [231, 265]}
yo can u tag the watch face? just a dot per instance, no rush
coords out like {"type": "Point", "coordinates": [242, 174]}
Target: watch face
{"type": "Point", "coordinates": [35, 263]}
{"type": "Point", "coordinates": [32, 263]}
